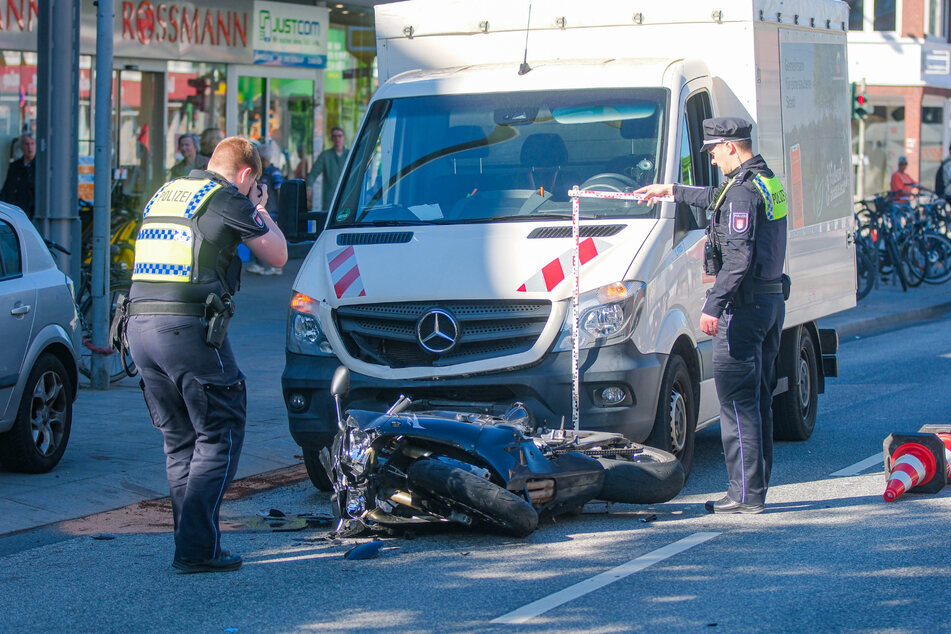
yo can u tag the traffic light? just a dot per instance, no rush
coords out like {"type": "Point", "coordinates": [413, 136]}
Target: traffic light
{"type": "Point", "coordinates": [201, 86]}
{"type": "Point", "coordinates": [859, 103]}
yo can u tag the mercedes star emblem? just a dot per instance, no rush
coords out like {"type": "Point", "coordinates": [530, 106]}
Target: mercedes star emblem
{"type": "Point", "coordinates": [437, 331]}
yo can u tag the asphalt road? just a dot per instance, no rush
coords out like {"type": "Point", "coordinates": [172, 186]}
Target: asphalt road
{"type": "Point", "coordinates": [828, 555]}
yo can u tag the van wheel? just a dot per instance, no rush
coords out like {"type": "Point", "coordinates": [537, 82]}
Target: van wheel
{"type": "Point", "coordinates": [38, 438]}
{"type": "Point", "coordinates": [315, 470]}
{"type": "Point", "coordinates": [675, 423]}
{"type": "Point", "coordinates": [475, 495]}
{"type": "Point", "coordinates": [794, 412]}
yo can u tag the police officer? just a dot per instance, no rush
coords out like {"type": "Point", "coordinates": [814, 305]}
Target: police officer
{"type": "Point", "coordinates": [744, 311]}
{"type": "Point", "coordinates": [185, 272]}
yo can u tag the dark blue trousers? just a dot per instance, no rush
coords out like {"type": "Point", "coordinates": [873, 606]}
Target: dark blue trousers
{"type": "Point", "coordinates": [196, 396]}
{"type": "Point", "coordinates": [745, 353]}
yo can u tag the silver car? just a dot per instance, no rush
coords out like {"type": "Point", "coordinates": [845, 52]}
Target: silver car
{"type": "Point", "coordinates": [38, 337]}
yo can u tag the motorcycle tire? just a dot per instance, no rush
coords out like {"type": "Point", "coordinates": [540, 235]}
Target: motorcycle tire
{"type": "Point", "coordinates": [657, 476]}
{"type": "Point", "coordinates": [491, 503]}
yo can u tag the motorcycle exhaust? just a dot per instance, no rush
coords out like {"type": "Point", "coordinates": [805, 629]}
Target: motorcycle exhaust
{"type": "Point", "coordinates": [540, 491]}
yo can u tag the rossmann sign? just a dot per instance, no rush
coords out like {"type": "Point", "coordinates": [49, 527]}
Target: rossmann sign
{"type": "Point", "coordinates": [196, 30]}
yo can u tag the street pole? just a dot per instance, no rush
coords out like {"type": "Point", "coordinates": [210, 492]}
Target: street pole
{"type": "Point", "coordinates": [860, 177]}
{"type": "Point", "coordinates": [101, 300]}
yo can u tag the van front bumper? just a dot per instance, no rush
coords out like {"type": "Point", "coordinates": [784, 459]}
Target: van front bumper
{"type": "Point", "coordinates": [545, 389]}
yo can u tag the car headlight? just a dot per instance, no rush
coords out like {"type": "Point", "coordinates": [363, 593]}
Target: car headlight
{"type": "Point", "coordinates": [305, 335]}
{"type": "Point", "coordinates": [608, 315]}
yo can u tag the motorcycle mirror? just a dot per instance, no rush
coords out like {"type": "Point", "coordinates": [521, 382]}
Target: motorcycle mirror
{"type": "Point", "coordinates": [340, 383]}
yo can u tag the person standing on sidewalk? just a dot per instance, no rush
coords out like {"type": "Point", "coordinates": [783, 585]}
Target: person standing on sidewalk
{"type": "Point", "coordinates": [745, 309]}
{"type": "Point", "coordinates": [271, 178]}
{"type": "Point", "coordinates": [329, 166]}
{"type": "Point", "coordinates": [19, 188]}
{"type": "Point", "coordinates": [186, 270]}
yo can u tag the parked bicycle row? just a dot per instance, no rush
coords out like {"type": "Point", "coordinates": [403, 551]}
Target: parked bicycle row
{"type": "Point", "coordinates": [905, 239]}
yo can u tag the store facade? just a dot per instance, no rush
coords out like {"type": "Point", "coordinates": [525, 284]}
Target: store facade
{"type": "Point", "coordinates": [257, 68]}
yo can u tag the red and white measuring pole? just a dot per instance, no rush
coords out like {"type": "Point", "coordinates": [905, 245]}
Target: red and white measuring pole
{"type": "Point", "coordinates": [576, 196]}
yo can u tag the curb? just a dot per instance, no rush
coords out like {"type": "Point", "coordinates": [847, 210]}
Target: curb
{"type": "Point", "coordinates": [871, 325]}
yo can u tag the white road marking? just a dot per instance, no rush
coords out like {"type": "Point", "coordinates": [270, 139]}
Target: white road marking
{"type": "Point", "coordinates": [536, 608]}
{"type": "Point", "coordinates": [859, 467]}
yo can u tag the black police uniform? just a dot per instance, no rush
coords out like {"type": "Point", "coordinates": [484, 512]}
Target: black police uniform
{"type": "Point", "coordinates": [195, 393]}
{"type": "Point", "coordinates": [748, 300]}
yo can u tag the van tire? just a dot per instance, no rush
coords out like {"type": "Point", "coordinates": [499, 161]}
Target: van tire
{"type": "Point", "coordinates": [315, 471]}
{"type": "Point", "coordinates": [469, 492]}
{"type": "Point", "coordinates": [794, 411]}
{"type": "Point", "coordinates": [656, 476]}
{"type": "Point", "coordinates": [675, 423]}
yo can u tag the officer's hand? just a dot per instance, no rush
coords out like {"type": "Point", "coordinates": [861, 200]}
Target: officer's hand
{"type": "Point", "coordinates": [709, 325]}
{"type": "Point", "coordinates": [650, 192]}
{"type": "Point", "coordinates": [258, 195]}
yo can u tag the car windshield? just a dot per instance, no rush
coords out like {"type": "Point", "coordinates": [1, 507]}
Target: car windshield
{"type": "Point", "coordinates": [510, 156]}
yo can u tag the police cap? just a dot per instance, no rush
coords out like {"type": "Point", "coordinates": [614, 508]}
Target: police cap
{"type": "Point", "coordinates": [720, 129]}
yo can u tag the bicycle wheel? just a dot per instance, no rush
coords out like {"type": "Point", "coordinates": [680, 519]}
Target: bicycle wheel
{"type": "Point", "coordinates": [914, 260]}
{"type": "Point", "coordinates": [113, 360]}
{"type": "Point", "coordinates": [938, 252]}
{"type": "Point", "coordinates": [865, 271]}
{"type": "Point", "coordinates": [894, 262]}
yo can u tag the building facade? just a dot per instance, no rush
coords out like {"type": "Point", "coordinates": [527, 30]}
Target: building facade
{"type": "Point", "coordinates": [900, 52]}
{"type": "Point", "coordinates": [283, 70]}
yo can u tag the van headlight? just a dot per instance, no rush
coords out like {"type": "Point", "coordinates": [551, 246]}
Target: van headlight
{"type": "Point", "coordinates": [608, 315]}
{"type": "Point", "coordinates": [305, 335]}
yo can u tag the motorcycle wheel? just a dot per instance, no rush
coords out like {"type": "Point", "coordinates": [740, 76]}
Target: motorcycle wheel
{"type": "Point", "coordinates": [655, 476]}
{"type": "Point", "coordinates": [491, 503]}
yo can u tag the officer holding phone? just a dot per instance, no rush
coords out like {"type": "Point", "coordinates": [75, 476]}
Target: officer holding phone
{"type": "Point", "coordinates": [185, 274]}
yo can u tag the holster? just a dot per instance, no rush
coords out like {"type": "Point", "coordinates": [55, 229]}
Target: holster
{"type": "Point", "coordinates": [787, 286]}
{"type": "Point", "coordinates": [218, 312]}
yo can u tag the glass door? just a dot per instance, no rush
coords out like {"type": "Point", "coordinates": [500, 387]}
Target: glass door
{"type": "Point", "coordinates": [277, 104]}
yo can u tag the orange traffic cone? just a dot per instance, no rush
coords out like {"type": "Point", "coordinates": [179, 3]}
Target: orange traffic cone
{"type": "Point", "coordinates": [912, 465]}
{"type": "Point", "coordinates": [946, 439]}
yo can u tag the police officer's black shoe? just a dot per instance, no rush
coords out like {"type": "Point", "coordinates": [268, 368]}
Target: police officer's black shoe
{"type": "Point", "coordinates": [726, 505]}
{"type": "Point", "coordinates": [223, 563]}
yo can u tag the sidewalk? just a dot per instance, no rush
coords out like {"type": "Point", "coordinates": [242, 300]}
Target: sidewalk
{"type": "Point", "coordinates": [115, 458]}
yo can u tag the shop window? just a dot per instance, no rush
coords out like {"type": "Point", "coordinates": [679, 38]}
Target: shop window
{"type": "Point", "coordinates": [17, 103]}
{"type": "Point", "coordinates": [885, 15]}
{"type": "Point", "coordinates": [196, 102]}
{"type": "Point", "coordinates": [856, 14]}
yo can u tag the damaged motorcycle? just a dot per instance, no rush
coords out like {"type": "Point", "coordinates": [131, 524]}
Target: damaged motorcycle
{"type": "Point", "coordinates": [400, 468]}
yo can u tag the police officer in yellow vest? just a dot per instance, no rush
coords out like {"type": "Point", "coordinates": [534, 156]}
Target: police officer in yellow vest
{"type": "Point", "coordinates": [744, 311]}
{"type": "Point", "coordinates": [185, 273]}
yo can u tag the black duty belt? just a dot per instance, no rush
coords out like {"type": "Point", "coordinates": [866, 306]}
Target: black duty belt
{"type": "Point", "coordinates": [145, 307]}
{"type": "Point", "coordinates": [767, 288]}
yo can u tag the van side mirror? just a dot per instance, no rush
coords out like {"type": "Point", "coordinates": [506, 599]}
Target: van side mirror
{"type": "Point", "coordinates": [340, 383]}
{"type": "Point", "coordinates": [292, 214]}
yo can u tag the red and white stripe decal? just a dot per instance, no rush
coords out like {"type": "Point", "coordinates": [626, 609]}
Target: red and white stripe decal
{"type": "Point", "coordinates": [555, 272]}
{"type": "Point", "coordinates": [345, 273]}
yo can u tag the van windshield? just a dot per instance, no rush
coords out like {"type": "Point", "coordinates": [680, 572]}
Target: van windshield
{"type": "Point", "coordinates": [504, 156]}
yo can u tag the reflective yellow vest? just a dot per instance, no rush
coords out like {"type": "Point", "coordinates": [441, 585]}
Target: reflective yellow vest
{"type": "Point", "coordinates": [168, 244]}
{"type": "Point", "coordinates": [771, 189]}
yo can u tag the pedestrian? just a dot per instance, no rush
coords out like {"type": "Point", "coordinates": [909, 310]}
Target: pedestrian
{"type": "Point", "coordinates": [19, 188]}
{"type": "Point", "coordinates": [185, 273]}
{"type": "Point", "coordinates": [191, 159]}
{"type": "Point", "coordinates": [272, 178]}
{"type": "Point", "coordinates": [942, 179]}
{"type": "Point", "coordinates": [745, 308]}
{"type": "Point", "coordinates": [210, 138]}
{"type": "Point", "coordinates": [902, 185]}
{"type": "Point", "coordinates": [329, 166]}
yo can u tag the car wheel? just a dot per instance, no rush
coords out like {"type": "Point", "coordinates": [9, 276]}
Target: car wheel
{"type": "Point", "coordinates": [38, 438]}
